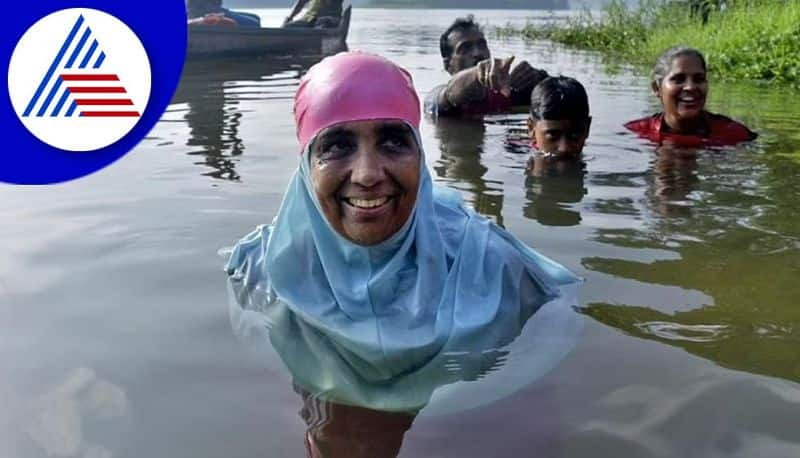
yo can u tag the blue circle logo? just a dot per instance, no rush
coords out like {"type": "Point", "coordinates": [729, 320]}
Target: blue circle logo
{"type": "Point", "coordinates": [85, 85]}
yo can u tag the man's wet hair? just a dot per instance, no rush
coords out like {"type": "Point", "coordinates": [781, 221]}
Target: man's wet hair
{"type": "Point", "coordinates": [460, 24]}
{"type": "Point", "coordinates": [559, 97]}
{"type": "Point", "coordinates": [664, 62]}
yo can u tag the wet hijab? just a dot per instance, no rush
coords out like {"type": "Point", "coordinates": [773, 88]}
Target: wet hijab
{"type": "Point", "coordinates": [448, 275]}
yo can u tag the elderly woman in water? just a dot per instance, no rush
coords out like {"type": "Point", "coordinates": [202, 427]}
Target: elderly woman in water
{"type": "Point", "coordinates": [367, 250]}
{"type": "Point", "coordinates": [681, 85]}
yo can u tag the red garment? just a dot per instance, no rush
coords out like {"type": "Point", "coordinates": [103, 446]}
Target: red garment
{"type": "Point", "coordinates": [213, 19]}
{"type": "Point", "coordinates": [722, 131]}
{"type": "Point", "coordinates": [496, 102]}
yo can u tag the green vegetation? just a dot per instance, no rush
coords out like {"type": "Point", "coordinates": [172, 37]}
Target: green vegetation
{"type": "Point", "coordinates": [473, 4]}
{"type": "Point", "coordinates": [751, 39]}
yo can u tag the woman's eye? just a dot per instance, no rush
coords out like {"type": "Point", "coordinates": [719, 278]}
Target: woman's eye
{"type": "Point", "coordinates": [335, 149]}
{"type": "Point", "coordinates": [678, 79]}
{"type": "Point", "coordinates": [394, 143]}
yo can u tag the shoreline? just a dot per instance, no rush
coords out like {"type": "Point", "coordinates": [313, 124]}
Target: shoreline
{"type": "Point", "coordinates": [756, 40]}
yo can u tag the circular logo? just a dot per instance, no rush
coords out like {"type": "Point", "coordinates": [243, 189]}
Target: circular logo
{"type": "Point", "coordinates": [79, 79]}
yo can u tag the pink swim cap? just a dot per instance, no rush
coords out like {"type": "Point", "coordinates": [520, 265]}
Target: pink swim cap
{"type": "Point", "coordinates": [353, 86]}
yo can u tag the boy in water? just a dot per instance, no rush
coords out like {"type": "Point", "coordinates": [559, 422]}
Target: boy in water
{"type": "Point", "coordinates": [559, 119]}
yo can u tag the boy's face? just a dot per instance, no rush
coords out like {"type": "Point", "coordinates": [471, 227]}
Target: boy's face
{"type": "Point", "coordinates": [563, 138]}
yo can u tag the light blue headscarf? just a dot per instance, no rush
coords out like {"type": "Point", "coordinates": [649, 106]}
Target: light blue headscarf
{"type": "Point", "coordinates": [448, 276]}
{"type": "Point", "coordinates": [393, 305]}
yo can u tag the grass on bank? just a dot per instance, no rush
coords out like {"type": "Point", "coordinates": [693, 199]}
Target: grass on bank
{"type": "Point", "coordinates": [751, 39]}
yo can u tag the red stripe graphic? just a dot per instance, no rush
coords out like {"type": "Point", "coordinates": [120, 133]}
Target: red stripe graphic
{"type": "Point", "coordinates": [97, 90]}
{"type": "Point", "coordinates": [96, 77]}
{"type": "Point", "coordinates": [103, 102]}
{"type": "Point", "coordinates": [110, 114]}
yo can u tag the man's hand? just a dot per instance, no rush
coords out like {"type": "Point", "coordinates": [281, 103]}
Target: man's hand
{"type": "Point", "coordinates": [524, 77]}
{"type": "Point", "coordinates": [494, 74]}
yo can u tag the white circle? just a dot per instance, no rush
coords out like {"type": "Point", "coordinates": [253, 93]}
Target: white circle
{"type": "Point", "coordinates": [34, 56]}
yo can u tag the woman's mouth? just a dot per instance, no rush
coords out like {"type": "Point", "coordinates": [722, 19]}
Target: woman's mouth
{"type": "Point", "coordinates": [690, 101]}
{"type": "Point", "coordinates": [366, 204]}
{"type": "Point", "coordinates": [368, 210]}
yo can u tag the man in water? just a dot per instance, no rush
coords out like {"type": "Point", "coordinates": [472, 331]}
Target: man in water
{"type": "Point", "coordinates": [320, 13]}
{"type": "Point", "coordinates": [479, 84]}
{"type": "Point", "coordinates": [197, 10]}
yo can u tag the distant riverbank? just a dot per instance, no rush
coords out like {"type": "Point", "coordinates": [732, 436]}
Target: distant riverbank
{"type": "Point", "coordinates": [749, 39]}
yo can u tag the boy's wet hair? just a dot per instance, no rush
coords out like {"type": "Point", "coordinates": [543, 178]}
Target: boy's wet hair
{"type": "Point", "coordinates": [664, 62]}
{"type": "Point", "coordinates": [460, 24]}
{"type": "Point", "coordinates": [559, 97]}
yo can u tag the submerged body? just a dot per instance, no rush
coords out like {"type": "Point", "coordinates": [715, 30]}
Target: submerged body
{"type": "Point", "coordinates": [718, 130]}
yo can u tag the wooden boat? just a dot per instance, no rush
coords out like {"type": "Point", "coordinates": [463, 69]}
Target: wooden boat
{"type": "Point", "coordinates": [206, 41]}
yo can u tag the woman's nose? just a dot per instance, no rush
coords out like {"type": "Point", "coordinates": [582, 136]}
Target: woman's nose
{"type": "Point", "coordinates": [367, 168]}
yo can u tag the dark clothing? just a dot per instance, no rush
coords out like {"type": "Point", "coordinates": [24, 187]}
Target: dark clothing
{"type": "Point", "coordinates": [242, 19]}
{"type": "Point", "coordinates": [320, 13]}
{"type": "Point", "coordinates": [494, 103]}
{"type": "Point", "coordinates": [721, 131]}
{"type": "Point", "coordinates": [323, 8]}
{"type": "Point", "coordinates": [338, 430]}
{"type": "Point", "coordinates": [322, 22]}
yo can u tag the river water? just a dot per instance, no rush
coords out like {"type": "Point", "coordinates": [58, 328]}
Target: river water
{"type": "Point", "coordinates": [117, 339]}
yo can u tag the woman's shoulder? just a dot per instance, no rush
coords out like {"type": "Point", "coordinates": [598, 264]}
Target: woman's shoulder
{"type": "Point", "coordinates": [248, 252]}
{"type": "Point", "coordinates": [727, 129]}
{"type": "Point", "coordinates": [647, 125]}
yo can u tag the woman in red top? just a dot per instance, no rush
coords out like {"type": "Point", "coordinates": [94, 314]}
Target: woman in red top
{"type": "Point", "coordinates": [679, 81]}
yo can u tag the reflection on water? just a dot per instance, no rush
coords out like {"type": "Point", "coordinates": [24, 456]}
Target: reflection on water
{"type": "Point", "coordinates": [718, 210]}
{"type": "Point", "coordinates": [68, 418]}
{"type": "Point", "coordinates": [368, 393]}
{"type": "Point", "coordinates": [461, 142]}
{"type": "Point", "coordinates": [213, 92]}
{"type": "Point", "coordinates": [551, 186]}
{"type": "Point", "coordinates": [345, 431]}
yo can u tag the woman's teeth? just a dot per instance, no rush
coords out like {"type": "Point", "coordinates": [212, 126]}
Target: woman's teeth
{"type": "Point", "coordinates": [368, 203]}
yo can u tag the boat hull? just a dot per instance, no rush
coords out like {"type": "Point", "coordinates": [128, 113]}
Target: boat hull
{"type": "Point", "coordinates": [219, 41]}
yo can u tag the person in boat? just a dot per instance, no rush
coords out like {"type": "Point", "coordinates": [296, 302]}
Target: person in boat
{"type": "Point", "coordinates": [479, 84]}
{"type": "Point", "coordinates": [680, 83]}
{"type": "Point", "coordinates": [211, 12]}
{"type": "Point", "coordinates": [319, 13]}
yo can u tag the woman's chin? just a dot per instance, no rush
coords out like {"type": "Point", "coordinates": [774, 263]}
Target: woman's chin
{"type": "Point", "coordinates": [689, 113]}
{"type": "Point", "coordinates": [368, 234]}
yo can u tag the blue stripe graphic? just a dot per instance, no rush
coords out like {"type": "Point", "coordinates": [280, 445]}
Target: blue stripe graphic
{"type": "Point", "coordinates": [89, 54]}
{"type": "Point", "coordinates": [100, 59]}
{"type": "Point", "coordinates": [79, 47]}
{"type": "Point", "coordinates": [53, 66]}
{"type": "Point", "coordinates": [60, 103]}
{"type": "Point", "coordinates": [53, 92]}
{"type": "Point", "coordinates": [71, 108]}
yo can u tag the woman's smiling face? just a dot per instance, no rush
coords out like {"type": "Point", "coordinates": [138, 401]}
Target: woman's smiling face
{"type": "Point", "coordinates": [684, 89]}
{"type": "Point", "coordinates": [366, 177]}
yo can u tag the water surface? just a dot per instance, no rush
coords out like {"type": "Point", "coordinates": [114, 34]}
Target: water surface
{"type": "Point", "coordinates": [117, 339]}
